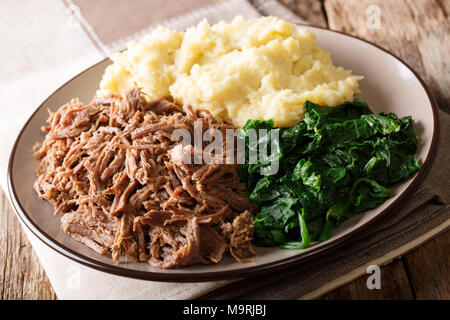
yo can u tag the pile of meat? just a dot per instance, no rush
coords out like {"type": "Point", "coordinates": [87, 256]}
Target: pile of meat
{"type": "Point", "coordinates": [114, 173]}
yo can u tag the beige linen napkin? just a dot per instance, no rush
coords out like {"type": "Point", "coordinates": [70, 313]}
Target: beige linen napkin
{"type": "Point", "coordinates": [60, 39]}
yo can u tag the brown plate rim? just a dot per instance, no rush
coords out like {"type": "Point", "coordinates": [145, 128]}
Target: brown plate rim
{"type": "Point", "coordinates": [230, 274]}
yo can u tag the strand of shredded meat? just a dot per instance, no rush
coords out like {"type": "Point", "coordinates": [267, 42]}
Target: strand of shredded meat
{"type": "Point", "coordinates": [116, 177]}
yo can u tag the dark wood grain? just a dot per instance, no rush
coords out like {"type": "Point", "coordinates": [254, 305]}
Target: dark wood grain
{"type": "Point", "coordinates": [394, 285]}
{"type": "Point", "coordinates": [428, 268]}
{"type": "Point", "coordinates": [21, 274]}
{"type": "Point", "coordinates": [309, 10]}
{"type": "Point", "coordinates": [445, 4]}
{"type": "Point", "coordinates": [421, 274]}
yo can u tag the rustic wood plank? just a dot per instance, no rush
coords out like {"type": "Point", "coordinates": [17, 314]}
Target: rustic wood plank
{"type": "Point", "coordinates": [394, 286]}
{"type": "Point", "coordinates": [310, 10]}
{"type": "Point", "coordinates": [428, 268]}
{"type": "Point", "coordinates": [21, 274]}
{"type": "Point", "coordinates": [421, 274]}
{"type": "Point", "coordinates": [417, 31]}
{"type": "Point", "coordinates": [445, 4]}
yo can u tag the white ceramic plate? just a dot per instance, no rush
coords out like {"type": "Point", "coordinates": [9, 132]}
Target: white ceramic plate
{"type": "Point", "coordinates": [389, 86]}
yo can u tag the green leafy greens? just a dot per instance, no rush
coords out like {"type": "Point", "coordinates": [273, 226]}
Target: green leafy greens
{"type": "Point", "coordinates": [334, 164]}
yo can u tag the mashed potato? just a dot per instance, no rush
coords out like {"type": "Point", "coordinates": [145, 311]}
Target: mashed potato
{"type": "Point", "coordinates": [262, 69]}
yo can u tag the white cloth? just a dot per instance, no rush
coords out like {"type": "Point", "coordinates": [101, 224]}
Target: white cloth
{"type": "Point", "coordinates": [43, 46]}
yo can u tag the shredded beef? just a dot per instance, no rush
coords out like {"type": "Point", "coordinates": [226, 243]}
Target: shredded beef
{"type": "Point", "coordinates": [120, 183]}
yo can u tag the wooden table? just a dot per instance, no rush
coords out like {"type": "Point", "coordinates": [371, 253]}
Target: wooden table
{"type": "Point", "coordinates": [408, 29]}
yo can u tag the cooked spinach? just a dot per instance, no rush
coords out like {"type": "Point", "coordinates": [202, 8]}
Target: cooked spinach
{"type": "Point", "coordinates": [334, 164]}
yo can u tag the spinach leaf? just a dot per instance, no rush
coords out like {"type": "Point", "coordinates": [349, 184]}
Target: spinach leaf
{"type": "Point", "coordinates": [336, 163]}
{"type": "Point", "coordinates": [305, 170]}
{"type": "Point", "coordinates": [304, 234]}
